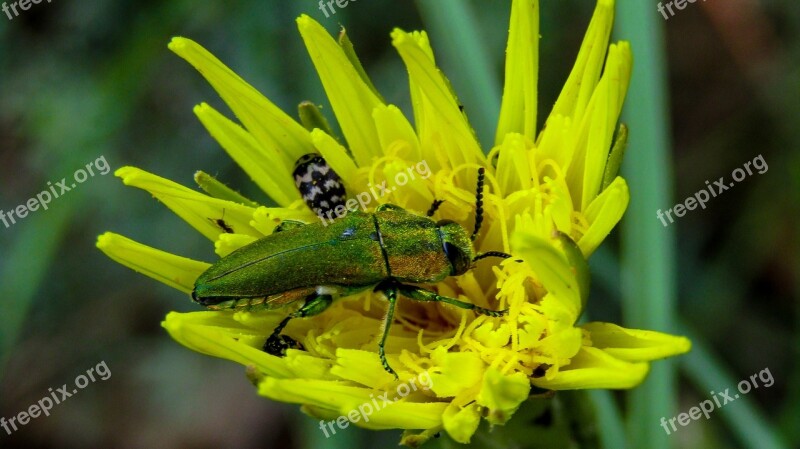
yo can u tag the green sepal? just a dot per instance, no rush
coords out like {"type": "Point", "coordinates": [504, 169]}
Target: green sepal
{"type": "Point", "coordinates": [615, 156]}
{"type": "Point", "coordinates": [216, 189]}
{"type": "Point", "coordinates": [579, 265]}
{"type": "Point", "coordinates": [350, 52]}
{"type": "Point", "coordinates": [311, 117]}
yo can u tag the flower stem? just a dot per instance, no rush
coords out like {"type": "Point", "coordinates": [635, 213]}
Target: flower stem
{"type": "Point", "coordinates": [648, 257]}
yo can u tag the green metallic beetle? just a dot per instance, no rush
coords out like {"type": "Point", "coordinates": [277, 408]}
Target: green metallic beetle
{"type": "Point", "coordinates": [386, 251]}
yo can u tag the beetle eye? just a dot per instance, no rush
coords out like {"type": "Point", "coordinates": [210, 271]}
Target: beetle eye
{"type": "Point", "coordinates": [444, 222]}
{"type": "Point", "coordinates": [458, 259]}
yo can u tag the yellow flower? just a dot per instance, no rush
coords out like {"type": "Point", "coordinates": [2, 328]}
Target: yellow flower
{"type": "Point", "coordinates": [553, 195]}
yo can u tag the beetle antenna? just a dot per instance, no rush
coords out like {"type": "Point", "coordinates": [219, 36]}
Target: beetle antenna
{"type": "Point", "coordinates": [491, 254]}
{"type": "Point", "coordinates": [434, 207]}
{"type": "Point", "coordinates": [479, 203]}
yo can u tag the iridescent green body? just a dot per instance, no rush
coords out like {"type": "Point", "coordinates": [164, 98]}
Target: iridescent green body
{"type": "Point", "coordinates": [353, 253]}
{"type": "Point", "coordinates": [388, 250]}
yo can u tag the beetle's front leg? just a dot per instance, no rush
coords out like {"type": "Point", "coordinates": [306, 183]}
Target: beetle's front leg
{"type": "Point", "coordinates": [277, 344]}
{"type": "Point", "coordinates": [285, 225]}
{"type": "Point", "coordinates": [388, 206]}
{"type": "Point", "coordinates": [390, 291]}
{"type": "Point", "coordinates": [434, 207]}
{"type": "Point", "coordinates": [420, 294]}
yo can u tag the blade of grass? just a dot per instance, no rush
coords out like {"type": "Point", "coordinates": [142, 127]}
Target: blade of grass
{"type": "Point", "coordinates": [312, 435]}
{"type": "Point", "coordinates": [612, 429]}
{"type": "Point", "coordinates": [27, 263]}
{"type": "Point", "coordinates": [457, 40]}
{"type": "Point", "coordinates": [704, 369]}
{"type": "Point", "coordinates": [648, 258]}
{"type": "Point", "coordinates": [607, 415]}
{"type": "Point", "coordinates": [743, 417]}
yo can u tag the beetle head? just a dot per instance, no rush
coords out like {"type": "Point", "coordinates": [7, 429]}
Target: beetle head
{"type": "Point", "coordinates": [457, 246]}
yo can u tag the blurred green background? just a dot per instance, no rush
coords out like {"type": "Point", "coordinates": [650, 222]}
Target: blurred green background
{"type": "Point", "coordinates": [713, 87]}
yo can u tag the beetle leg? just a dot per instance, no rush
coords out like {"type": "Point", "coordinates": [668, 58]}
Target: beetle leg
{"type": "Point", "coordinates": [390, 291]}
{"type": "Point", "coordinates": [388, 206]}
{"type": "Point", "coordinates": [420, 294]}
{"type": "Point", "coordinates": [285, 225]}
{"type": "Point", "coordinates": [434, 207]}
{"type": "Point", "coordinates": [277, 344]}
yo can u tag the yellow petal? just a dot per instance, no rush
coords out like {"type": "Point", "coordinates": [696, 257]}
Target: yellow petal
{"type": "Point", "coordinates": [556, 142]}
{"type": "Point", "coordinates": [490, 337]}
{"type": "Point", "coordinates": [273, 128]}
{"type": "Point", "coordinates": [336, 156]}
{"type": "Point", "coordinates": [228, 243]}
{"type": "Point", "coordinates": [351, 98]}
{"type": "Point", "coordinates": [461, 423]}
{"type": "Point", "coordinates": [603, 214]}
{"type": "Point", "coordinates": [595, 368]}
{"type": "Point", "coordinates": [440, 124]}
{"type": "Point", "coordinates": [265, 219]}
{"type": "Point", "coordinates": [395, 133]}
{"type": "Point", "coordinates": [307, 366]}
{"type": "Point", "coordinates": [502, 394]}
{"type": "Point", "coordinates": [266, 168]}
{"type": "Point", "coordinates": [596, 130]}
{"type": "Point", "coordinates": [635, 345]}
{"type": "Point", "coordinates": [175, 271]}
{"type": "Point", "coordinates": [362, 367]}
{"type": "Point", "coordinates": [459, 371]}
{"type": "Point", "coordinates": [608, 98]}
{"type": "Point", "coordinates": [585, 73]}
{"type": "Point", "coordinates": [513, 169]}
{"type": "Point", "coordinates": [199, 210]}
{"type": "Point", "coordinates": [563, 341]}
{"type": "Point", "coordinates": [551, 267]}
{"type": "Point", "coordinates": [218, 335]}
{"type": "Point", "coordinates": [364, 403]}
{"type": "Point", "coordinates": [520, 91]}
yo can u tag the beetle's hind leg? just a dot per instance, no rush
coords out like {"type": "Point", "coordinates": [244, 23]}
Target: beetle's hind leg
{"type": "Point", "coordinates": [277, 344]}
{"type": "Point", "coordinates": [390, 291]}
{"type": "Point", "coordinates": [420, 294]}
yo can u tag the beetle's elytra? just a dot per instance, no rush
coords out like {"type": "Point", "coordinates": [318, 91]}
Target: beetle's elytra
{"type": "Point", "coordinates": [388, 250]}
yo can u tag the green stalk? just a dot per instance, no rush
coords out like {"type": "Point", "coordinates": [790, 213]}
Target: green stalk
{"type": "Point", "coordinates": [647, 257]}
{"type": "Point", "coordinates": [609, 421]}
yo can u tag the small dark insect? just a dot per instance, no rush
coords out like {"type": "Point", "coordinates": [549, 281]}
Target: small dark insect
{"type": "Point", "coordinates": [222, 224]}
{"type": "Point", "coordinates": [279, 345]}
{"type": "Point", "coordinates": [320, 186]}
